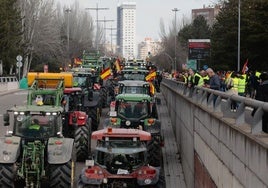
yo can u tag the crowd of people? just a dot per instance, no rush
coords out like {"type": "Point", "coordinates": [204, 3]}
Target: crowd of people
{"type": "Point", "coordinates": [253, 84]}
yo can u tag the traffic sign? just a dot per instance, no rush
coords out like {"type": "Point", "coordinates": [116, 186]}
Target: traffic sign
{"type": "Point", "coordinates": [19, 58]}
{"type": "Point", "coordinates": [19, 64]}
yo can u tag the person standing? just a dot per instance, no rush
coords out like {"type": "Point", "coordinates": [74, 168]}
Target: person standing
{"type": "Point", "coordinates": [262, 95]}
{"type": "Point", "coordinates": [214, 80]}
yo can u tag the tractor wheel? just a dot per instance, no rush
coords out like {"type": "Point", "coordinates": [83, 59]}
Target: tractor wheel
{"type": "Point", "coordinates": [82, 140]}
{"type": "Point", "coordinates": [61, 175]}
{"type": "Point", "coordinates": [7, 175]}
{"type": "Point", "coordinates": [103, 95]}
{"type": "Point", "coordinates": [95, 114]}
{"type": "Point", "coordinates": [155, 152]}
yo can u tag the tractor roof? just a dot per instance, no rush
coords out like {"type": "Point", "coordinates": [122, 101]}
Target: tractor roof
{"type": "Point", "coordinates": [49, 80]}
{"type": "Point", "coordinates": [71, 90]}
{"type": "Point", "coordinates": [37, 109]}
{"type": "Point", "coordinates": [121, 133]}
{"type": "Point", "coordinates": [133, 97]}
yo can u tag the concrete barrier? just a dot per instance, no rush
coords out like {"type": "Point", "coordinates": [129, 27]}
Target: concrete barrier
{"type": "Point", "coordinates": [8, 83]}
{"type": "Point", "coordinates": [219, 147]}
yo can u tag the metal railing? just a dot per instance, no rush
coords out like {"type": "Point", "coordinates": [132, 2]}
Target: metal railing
{"type": "Point", "coordinates": [248, 113]}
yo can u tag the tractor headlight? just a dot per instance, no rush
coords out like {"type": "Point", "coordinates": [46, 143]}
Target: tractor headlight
{"type": "Point", "coordinates": [128, 123]}
{"type": "Point", "coordinates": [147, 181]}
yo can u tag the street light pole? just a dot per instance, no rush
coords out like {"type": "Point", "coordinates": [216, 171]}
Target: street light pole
{"type": "Point", "coordinates": [175, 59]}
{"type": "Point", "coordinates": [68, 33]}
{"type": "Point", "coordinates": [97, 18]}
{"type": "Point", "coordinates": [238, 38]}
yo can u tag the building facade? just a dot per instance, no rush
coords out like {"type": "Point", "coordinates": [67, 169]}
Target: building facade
{"type": "Point", "coordinates": [148, 45]}
{"type": "Point", "coordinates": [126, 29]}
{"type": "Point", "coordinates": [209, 13]}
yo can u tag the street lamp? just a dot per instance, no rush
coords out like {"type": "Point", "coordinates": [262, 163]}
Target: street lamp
{"type": "Point", "coordinates": [172, 62]}
{"type": "Point", "coordinates": [238, 38]}
{"type": "Point", "coordinates": [175, 59]}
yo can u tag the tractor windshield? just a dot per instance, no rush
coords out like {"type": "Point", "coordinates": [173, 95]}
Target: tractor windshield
{"type": "Point", "coordinates": [131, 76]}
{"type": "Point", "coordinates": [119, 161]}
{"type": "Point", "coordinates": [134, 90]}
{"type": "Point", "coordinates": [79, 81]}
{"type": "Point", "coordinates": [36, 126]}
{"type": "Point", "coordinates": [133, 109]}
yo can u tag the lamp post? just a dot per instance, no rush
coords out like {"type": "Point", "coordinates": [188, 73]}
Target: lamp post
{"type": "Point", "coordinates": [68, 11]}
{"type": "Point", "coordinates": [175, 59]}
{"type": "Point", "coordinates": [238, 38]}
{"type": "Point", "coordinates": [172, 62]}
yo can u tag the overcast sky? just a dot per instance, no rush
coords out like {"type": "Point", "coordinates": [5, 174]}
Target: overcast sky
{"type": "Point", "coordinates": [148, 13]}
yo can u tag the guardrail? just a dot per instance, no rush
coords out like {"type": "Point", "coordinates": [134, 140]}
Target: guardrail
{"type": "Point", "coordinates": [8, 83]}
{"type": "Point", "coordinates": [220, 146]}
{"type": "Point", "coordinates": [220, 103]}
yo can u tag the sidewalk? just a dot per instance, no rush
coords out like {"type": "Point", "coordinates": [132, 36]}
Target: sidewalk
{"type": "Point", "coordinates": [174, 176]}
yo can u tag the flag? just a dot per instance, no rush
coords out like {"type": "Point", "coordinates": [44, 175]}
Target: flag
{"type": "Point", "coordinates": [152, 88]}
{"type": "Point", "coordinates": [117, 65]}
{"type": "Point", "coordinates": [77, 61]}
{"type": "Point", "coordinates": [245, 67]}
{"type": "Point", "coordinates": [150, 76]}
{"type": "Point", "coordinates": [106, 73]}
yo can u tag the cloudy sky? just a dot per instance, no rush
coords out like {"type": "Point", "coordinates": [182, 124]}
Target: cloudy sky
{"type": "Point", "coordinates": [148, 12]}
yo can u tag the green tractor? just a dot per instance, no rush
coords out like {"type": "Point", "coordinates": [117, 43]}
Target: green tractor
{"type": "Point", "coordinates": [51, 89]}
{"type": "Point", "coordinates": [35, 154]}
{"type": "Point", "coordinates": [138, 111]}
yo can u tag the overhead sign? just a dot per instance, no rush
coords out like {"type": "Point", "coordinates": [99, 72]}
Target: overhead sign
{"type": "Point", "coordinates": [198, 48]}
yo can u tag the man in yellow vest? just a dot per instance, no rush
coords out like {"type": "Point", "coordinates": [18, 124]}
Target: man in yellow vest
{"type": "Point", "coordinates": [34, 129]}
{"type": "Point", "coordinates": [241, 88]}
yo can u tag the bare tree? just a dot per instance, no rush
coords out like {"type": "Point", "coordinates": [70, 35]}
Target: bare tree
{"type": "Point", "coordinates": [41, 31]}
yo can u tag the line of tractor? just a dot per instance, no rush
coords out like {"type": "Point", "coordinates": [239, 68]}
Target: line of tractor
{"type": "Point", "coordinates": [54, 130]}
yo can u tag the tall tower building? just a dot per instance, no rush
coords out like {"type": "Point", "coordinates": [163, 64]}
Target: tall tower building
{"type": "Point", "coordinates": [126, 29]}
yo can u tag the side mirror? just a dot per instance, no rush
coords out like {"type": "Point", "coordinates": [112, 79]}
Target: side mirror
{"type": "Point", "coordinates": [90, 95]}
{"type": "Point", "coordinates": [6, 119]}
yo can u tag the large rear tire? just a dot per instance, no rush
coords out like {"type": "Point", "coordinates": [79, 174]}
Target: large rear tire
{"type": "Point", "coordinates": [7, 175]}
{"type": "Point", "coordinates": [95, 115]}
{"type": "Point", "coordinates": [82, 141]}
{"type": "Point", "coordinates": [103, 95]}
{"type": "Point", "coordinates": [155, 152]}
{"type": "Point", "coordinates": [61, 175]}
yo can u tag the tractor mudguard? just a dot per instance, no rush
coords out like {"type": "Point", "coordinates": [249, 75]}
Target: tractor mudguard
{"type": "Point", "coordinates": [154, 128]}
{"type": "Point", "coordinates": [9, 149]}
{"type": "Point", "coordinates": [60, 150]}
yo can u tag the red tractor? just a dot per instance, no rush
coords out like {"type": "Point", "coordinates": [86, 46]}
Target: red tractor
{"type": "Point", "coordinates": [120, 160]}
